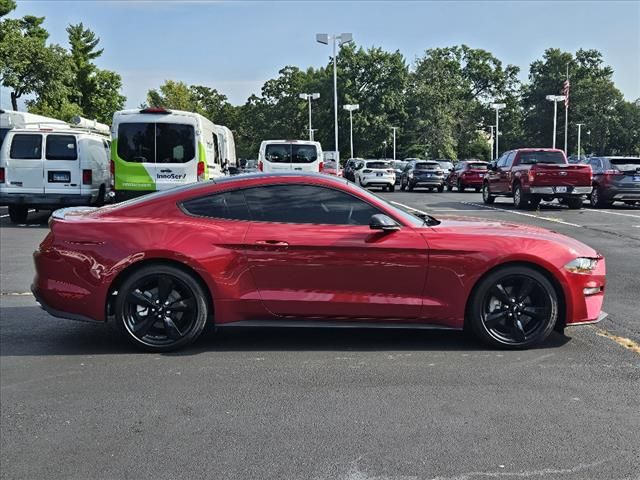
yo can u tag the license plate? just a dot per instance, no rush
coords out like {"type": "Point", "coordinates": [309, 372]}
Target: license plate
{"type": "Point", "coordinates": [378, 174]}
{"type": "Point", "coordinates": [561, 189]}
{"type": "Point", "coordinates": [59, 177]}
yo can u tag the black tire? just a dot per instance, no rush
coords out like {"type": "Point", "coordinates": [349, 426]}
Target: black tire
{"type": "Point", "coordinates": [410, 186]}
{"type": "Point", "coordinates": [597, 200]}
{"type": "Point", "coordinates": [100, 199]}
{"type": "Point", "coordinates": [161, 308]}
{"type": "Point", "coordinates": [574, 203]}
{"type": "Point", "coordinates": [402, 186]}
{"type": "Point", "coordinates": [520, 200]}
{"type": "Point", "coordinates": [486, 194]}
{"type": "Point", "coordinates": [441, 188]}
{"type": "Point", "coordinates": [18, 213]}
{"type": "Point", "coordinates": [513, 307]}
{"type": "Point", "coordinates": [392, 188]}
{"type": "Point", "coordinates": [430, 189]}
{"type": "Point", "coordinates": [461, 186]}
{"type": "Point", "coordinates": [449, 188]}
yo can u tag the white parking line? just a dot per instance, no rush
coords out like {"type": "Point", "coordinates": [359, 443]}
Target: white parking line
{"type": "Point", "coordinates": [548, 219]}
{"type": "Point", "coordinates": [607, 212]}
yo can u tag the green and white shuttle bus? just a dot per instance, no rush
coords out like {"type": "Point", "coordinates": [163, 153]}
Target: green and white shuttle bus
{"type": "Point", "coordinates": [156, 149]}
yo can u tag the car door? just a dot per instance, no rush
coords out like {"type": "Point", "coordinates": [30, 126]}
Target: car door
{"type": "Point", "coordinates": [24, 164]}
{"type": "Point", "coordinates": [313, 255]}
{"type": "Point", "coordinates": [503, 173]}
{"type": "Point", "coordinates": [493, 176]}
{"type": "Point", "coordinates": [62, 173]}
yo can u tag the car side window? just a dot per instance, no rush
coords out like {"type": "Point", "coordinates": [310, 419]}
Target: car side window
{"type": "Point", "coordinates": [502, 161]}
{"type": "Point", "coordinates": [307, 204]}
{"type": "Point", "coordinates": [596, 163]}
{"type": "Point", "coordinates": [509, 159]}
{"type": "Point", "coordinates": [228, 205]}
{"type": "Point", "coordinates": [61, 147]}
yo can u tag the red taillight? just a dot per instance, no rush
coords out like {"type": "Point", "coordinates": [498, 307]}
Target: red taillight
{"type": "Point", "coordinates": [200, 171]}
{"type": "Point", "coordinates": [87, 177]}
{"type": "Point", "coordinates": [1, 174]}
{"type": "Point", "coordinates": [532, 175]}
{"type": "Point", "coordinates": [321, 168]}
{"type": "Point", "coordinates": [260, 166]}
{"type": "Point", "coordinates": [155, 110]}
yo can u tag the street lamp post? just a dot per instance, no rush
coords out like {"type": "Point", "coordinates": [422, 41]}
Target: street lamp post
{"type": "Point", "coordinates": [555, 99]}
{"type": "Point", "coordinates": [579, 132]}
{"type": "Point", "coordinates": [384, 142]}
{"type": "Point", "coordinates": [325, 38]}
{"type": "Point", "coordinates": [309, 97]}
{"type": "Point", "coordinates": [351, 108]}
{"type": "Point", "coordinates": [394, 142]}
{"type": "Point", "coordinates": [497, 107]}
{"type": "Point", "coordinates": [313, 133]}
{"type": "Point", "coordinates": [491, 141]}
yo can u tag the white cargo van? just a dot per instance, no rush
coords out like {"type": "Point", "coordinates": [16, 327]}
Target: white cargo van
{"type": "Point", "coordinates": [46, 164]}
{"type": "Point", "coordinates": [290, 155]}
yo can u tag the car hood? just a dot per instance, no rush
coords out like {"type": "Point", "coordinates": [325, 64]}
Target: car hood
{"type": "Point", "coordinates": [484, 227]}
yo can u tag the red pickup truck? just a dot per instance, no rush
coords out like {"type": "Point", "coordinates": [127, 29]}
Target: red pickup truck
{"type": "Point", "coordinates": [529, 175]}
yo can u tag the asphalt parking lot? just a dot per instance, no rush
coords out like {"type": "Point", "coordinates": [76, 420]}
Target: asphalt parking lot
{"type": "Point", "coordinates": [78, 403]}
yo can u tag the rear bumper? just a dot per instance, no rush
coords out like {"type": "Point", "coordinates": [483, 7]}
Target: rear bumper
{"type": "Point", "coordinates": [553, 190]}
{"type": "Point", "coordinates": [45, 200]}
{"type": "Point", "coordinates": [472, 182]}
{"type": "Point", "coordinates": [621, 194]}
{"type": "Point", "coordinates": [57, 313]}
{"type": "Point", "coordinates": [427, 182]}
{"type": "Point", "coordinates": [372, 181]}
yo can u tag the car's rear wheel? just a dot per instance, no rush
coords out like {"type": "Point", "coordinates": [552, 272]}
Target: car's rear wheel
{"type": "Point", "coordinates": [486, 194]}
{"type": "Point", "coordinates": [402, 185]}
{"type": "Point", "coordinates": [18, 213]}
{"type": "Point", "coordinates": [596, 199]}
{"type": "Point", "coordinates": [514, 307]}
{"type": "Point", "coordinates": [410, 186]}
{"type": "Point", "coordinates": [161, 308]}
{"type": "Point", "coordinates": [441, 188]}
{"type": "Point", "coordinates": [520, 199]}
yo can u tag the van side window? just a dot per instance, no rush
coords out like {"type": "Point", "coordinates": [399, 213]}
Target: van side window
{"type": "Point", "coordinates": [61, 147]}
{"type": "Point", "coordinates": [26, 146]}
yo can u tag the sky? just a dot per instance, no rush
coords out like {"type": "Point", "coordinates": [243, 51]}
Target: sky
{"type": "Point", "coordinates": [235, 46]}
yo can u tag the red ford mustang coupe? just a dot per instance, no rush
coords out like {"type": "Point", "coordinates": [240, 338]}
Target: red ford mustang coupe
{"type": "Point", "coordinates": [293, 249]}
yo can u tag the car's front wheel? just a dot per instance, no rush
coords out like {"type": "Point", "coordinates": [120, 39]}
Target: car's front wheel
{"type": "Point", "coordinates": [514, 307]}
{"type": "Point", "coordinates": [486, 194]}
{"type": "Point", "coordinates": [161, 308]}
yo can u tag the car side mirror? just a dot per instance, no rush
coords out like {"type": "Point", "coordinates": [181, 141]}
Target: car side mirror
{"type": "Point", "coordinates": [382, 222]}
{"type": "Point", "coordinates": [492, 166]}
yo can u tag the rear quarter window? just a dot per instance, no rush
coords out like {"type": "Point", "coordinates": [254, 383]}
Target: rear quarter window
{"type": "Point", "coordinates": [61, 147]}
{"type": "Point", "coordinates": [26, 146]}
{"type": "Point", "coordinates": [227, 205]}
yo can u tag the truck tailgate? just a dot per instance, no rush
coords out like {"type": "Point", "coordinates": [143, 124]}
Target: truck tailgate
{"type": "Point", "coordinates": [557, 175]}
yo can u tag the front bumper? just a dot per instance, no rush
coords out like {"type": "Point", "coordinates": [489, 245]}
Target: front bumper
{"type": "Point", "coordinates": [555, 190]}
{"type": "Point", "coordinates": [585, 309]}
{"type": "Point", "coordinates": [44, 200]}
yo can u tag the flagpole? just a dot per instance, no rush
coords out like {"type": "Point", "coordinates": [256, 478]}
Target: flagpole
{"type": "Point", "coordinates": [566, 114]}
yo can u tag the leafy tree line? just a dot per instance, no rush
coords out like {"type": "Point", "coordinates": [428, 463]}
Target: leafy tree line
{"type": "Point", "coordinates": [440, 103]}
{"type": "Point", "coordinates": [63, 82]}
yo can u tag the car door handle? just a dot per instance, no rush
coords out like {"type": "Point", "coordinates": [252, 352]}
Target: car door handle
{"type": "Point", "coordinates": [272, 243]}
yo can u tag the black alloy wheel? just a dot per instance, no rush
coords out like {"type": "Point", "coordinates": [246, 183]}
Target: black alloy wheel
{"type": "Point", "coordinates": [514, 307]}
{"type": "Point", "coordinates": [161, 308]}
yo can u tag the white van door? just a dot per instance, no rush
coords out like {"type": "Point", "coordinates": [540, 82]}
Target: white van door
{"type": "Point", "coordinates": [24, 167]}
{"type": "Point", "coordinates": [277, 157]}
{"type": "Point", "coordinates": [176, 155]}
{"type": "Point", "coordinates": [62, 174]}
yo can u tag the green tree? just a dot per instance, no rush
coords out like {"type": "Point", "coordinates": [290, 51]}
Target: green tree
{"type": "Point", "coordinates": [172, 94]}
{"type": "Point", "coordinates": [27, 65]}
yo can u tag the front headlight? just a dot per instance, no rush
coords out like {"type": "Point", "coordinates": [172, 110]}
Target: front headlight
{"type": "Point", "coordinates": [582, 265]}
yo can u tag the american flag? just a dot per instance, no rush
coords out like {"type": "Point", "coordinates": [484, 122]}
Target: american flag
{"type": "Point", "coordinates": [565, 92]}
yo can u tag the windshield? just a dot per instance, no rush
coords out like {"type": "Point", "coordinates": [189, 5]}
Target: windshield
{"type": "Point", "coordinates": [446, 165]}
{"type": "Point", "coordinates": [478, 166]}
{"type": "Point", "coordinates": [377, 165]}
{"type": "Point", "coordinates": [427, 166]}
{"type": "Point", "coordinates": [531, 158]}
{"type": "Point", "coordinates": [626, 164]}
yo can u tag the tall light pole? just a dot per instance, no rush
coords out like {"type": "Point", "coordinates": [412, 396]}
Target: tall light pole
{"type": "Point", "coordinates": [325, 38]}
{"type": "Point", "coordinates": [351, 108]}
{"type": "Point", "coordinates": [310, 96]}
{"type": "Point", "coordinates": [497, 107]}
{"type": "Point", "coordinates": [579, 132]}
{"type": "Point", "coordinates": [491, 141]}
{"type": "Point", "coordinates": [555, 99]}
{"type": "Point", "coordinates": [394, 142]}
{"type": "Point", "coordinates": [313, 133]}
